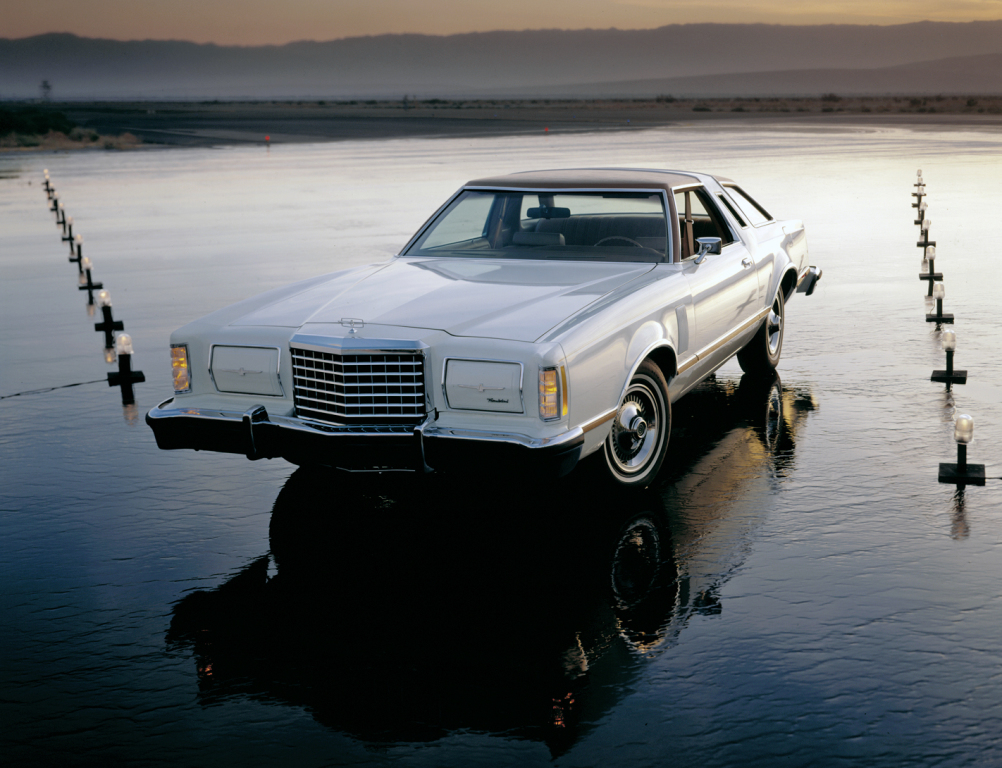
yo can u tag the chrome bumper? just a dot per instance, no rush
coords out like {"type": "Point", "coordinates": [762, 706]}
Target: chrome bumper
{"type": "Point", "coordinates": [808, 279]}
{"type": "Point", "coordinates": [258, 435]}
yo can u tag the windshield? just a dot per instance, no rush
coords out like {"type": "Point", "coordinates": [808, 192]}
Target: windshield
{"type": "Point", "coordinates": [583, 226]}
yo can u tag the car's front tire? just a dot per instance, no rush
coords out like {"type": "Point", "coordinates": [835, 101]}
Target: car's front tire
{"type": "Point", "coordinates": [761, 354]}
{"type": "Point", "coordinates": [638, 440]}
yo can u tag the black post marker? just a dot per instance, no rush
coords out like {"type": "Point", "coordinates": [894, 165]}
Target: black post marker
{"type": "Point", "coordinates": [68, 233]}
{"type": "Point", "coordinates": [125, 377]}
{"type": "Point", "coordinates": [109, 324]}
{"type": "Point", "coordinates": [962, 473]}
{"type": "Point", "coordinates": [79, 258]}
{"type": "Point", "coordinates": [919, 189]}
{"type": "Point", "coordinates": [87, 283]}
{"type": "Point", "coordinates": [939, 293]}
{"type": "Point", "coordinates": [932, 275]}
{"type": "Point", "coordinates": [949, 376]}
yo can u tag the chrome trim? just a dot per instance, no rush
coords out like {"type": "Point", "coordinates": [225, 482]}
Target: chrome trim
{"type": "Point", "coordinates": [714, 346]}
{"type": "Point", "coordinates": [349, 346]}
{"type": "Point", "coordinates": [691, 361]}
{"type": "Point", "coordinates": [502, 437]}
{"type": "Point", "coordinates": [600, 420]}
{"type": "Point", "coordinates": [424, 429]}
{"type": "Point", "coordinates": [660, 344]}
{"type": "Point", "coordinates": [278, 372]}
{"type": "Point", "coordinates": [356, 346]}
{"type": "Point", "coordinates": [521, 382]}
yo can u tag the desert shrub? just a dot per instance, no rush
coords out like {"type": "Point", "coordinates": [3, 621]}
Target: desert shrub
{"type": "Point", "coordinates": [972, 102]}
{"type": "Point", "coordinates": [666, 99]}
{"type": "Point", "coordinates": [831, 97]}
{"type": "Point", "coordinates": [701, 109]}
{"type": "Point", "coordinates": [83, 134]}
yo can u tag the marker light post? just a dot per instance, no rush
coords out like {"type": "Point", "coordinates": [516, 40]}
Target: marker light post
{"type": "Point", "coordinates": [109, 324]}
{"type": "Point", "coordinates": [68, 233]}
{"type": "Point", "coordinates": [86, 282]}
{"type": "Point", "coordinates": [939, 293]}
{"type": "Point", "coordinates": [125, 377]}
{"type": "Point", "coordinates": [923, 207]}
{"type": "Point", "coordinates": [932, 275]}
{"type": "Point", "coordinates": [949, 376]}
{"type": "Point", "coordinates": [78, 259]}
{"type": "Point", "coordinates": [962, 473]}
{"type": "Point", "coordinates": [920, 189]}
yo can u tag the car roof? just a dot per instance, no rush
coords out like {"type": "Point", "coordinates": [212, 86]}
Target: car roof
{"type": "Point", "coordinates": [592, 178]}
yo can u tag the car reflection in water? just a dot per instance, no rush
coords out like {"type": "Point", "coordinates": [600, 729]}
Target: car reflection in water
{"type": "Point", "coordinates": [403, 609]}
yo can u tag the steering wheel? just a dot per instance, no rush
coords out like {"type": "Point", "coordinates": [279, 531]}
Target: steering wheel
{"type": "Point", "coordinates": [619, 237]}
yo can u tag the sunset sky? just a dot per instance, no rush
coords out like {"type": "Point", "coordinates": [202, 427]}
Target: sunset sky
{"type": "Point", "coordinates": [258, 22]}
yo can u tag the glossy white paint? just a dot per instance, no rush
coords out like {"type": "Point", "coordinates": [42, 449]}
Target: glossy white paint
{"type": "Point", "coordinates": [598, 319]}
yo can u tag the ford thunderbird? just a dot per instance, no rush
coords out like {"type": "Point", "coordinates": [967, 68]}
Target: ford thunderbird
{"type": "Point", "coordinates": [535, 319]}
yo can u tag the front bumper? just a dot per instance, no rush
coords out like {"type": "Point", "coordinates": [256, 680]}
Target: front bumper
{"type": "Point", "coordinates": [258, 435]}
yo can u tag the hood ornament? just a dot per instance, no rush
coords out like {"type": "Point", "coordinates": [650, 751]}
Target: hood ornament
{"type": "Point", "coordinates": [352, 323]}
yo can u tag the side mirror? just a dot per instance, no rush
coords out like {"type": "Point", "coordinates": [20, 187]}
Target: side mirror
{"type": "Point", "coordinates": [707, 245]}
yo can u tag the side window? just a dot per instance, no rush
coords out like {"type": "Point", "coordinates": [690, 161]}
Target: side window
{"type": "Point", "coordinates": [699, 217]}
{"type": "Point", "coordinates": [754, 212]}
{"type": "Point", "coordinates": [737, 216]}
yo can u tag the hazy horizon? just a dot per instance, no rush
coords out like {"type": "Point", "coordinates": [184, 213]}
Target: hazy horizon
{"type": "Point", "coordinates": [257, 23]}
{"type": "Point", "coordinates": [698, 59]}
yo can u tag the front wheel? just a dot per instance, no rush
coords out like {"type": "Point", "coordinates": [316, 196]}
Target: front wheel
{"type": "Point", "coordinates": [638, 440]}
{"type": "Point", "coordinates": [761, 354]}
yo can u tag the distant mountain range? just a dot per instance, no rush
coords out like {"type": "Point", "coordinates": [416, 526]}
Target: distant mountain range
{"type": "Point", "coordinates": [687, 59]}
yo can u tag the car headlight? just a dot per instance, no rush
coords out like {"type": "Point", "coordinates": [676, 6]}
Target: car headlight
{"type": "Point", "coordinates": [483, 385]}
{"type": "Point", "coordinates": [246, 370]}
{"type": "Point", "coordinates": [552, 393]}
{"type": "Point", "coordinates": [179, 367]}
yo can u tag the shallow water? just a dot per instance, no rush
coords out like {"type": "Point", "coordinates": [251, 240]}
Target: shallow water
{"type": "Point", "coordinates": [797, 589]}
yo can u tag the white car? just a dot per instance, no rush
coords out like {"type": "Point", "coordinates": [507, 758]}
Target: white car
{"type": "Point", "coordinates": [537, 318]}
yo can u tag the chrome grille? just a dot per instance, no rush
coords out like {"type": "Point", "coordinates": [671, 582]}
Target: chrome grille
{"type": "Point", "coordinates": [385, 387]}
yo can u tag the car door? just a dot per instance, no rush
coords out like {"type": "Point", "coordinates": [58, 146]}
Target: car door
{"type": "Point", "coordinates": [725, 286]}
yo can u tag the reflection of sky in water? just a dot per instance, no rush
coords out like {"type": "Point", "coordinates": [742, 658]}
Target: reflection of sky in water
{"type": "Point", "coordinates": [851, 623]}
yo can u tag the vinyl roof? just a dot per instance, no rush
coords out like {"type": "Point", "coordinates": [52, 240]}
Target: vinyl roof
{"type": "Point", "coordinates": [590, 178]}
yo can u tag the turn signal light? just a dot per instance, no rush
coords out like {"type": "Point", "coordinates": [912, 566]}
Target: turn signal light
{"type": "Point", "coordinates": [179, 367]}
{"type": "Point", "coordinates": [552, 393]}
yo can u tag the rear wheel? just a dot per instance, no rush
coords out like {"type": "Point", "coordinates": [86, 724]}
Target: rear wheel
{"type": "Point", "coordinates": [761, 354]}
{"type": "Point", "coordinates": [638, 440]}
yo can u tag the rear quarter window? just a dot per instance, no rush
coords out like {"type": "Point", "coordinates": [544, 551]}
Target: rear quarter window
{"type": "Point", "coordinates": [754, 212]}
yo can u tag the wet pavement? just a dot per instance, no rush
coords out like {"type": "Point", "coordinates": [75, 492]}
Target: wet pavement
{"type": "Point", "coordinates": [796, 589]}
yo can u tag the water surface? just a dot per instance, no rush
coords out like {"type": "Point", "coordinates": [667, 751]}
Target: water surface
{"type": "Point", "coordinates": [797, 589]}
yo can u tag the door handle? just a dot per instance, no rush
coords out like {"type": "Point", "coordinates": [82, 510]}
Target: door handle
{"type": "Point", "coordinates": [746, 262]}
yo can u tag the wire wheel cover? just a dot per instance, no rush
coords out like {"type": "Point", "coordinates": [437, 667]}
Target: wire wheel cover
{"type": "Point", "coordinates": [636, 430]}
{"type": "Point", "coordinates": [774, 328]}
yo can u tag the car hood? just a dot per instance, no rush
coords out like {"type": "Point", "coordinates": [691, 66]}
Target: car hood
{"type": "Point", "coordinates": [495, 298]}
